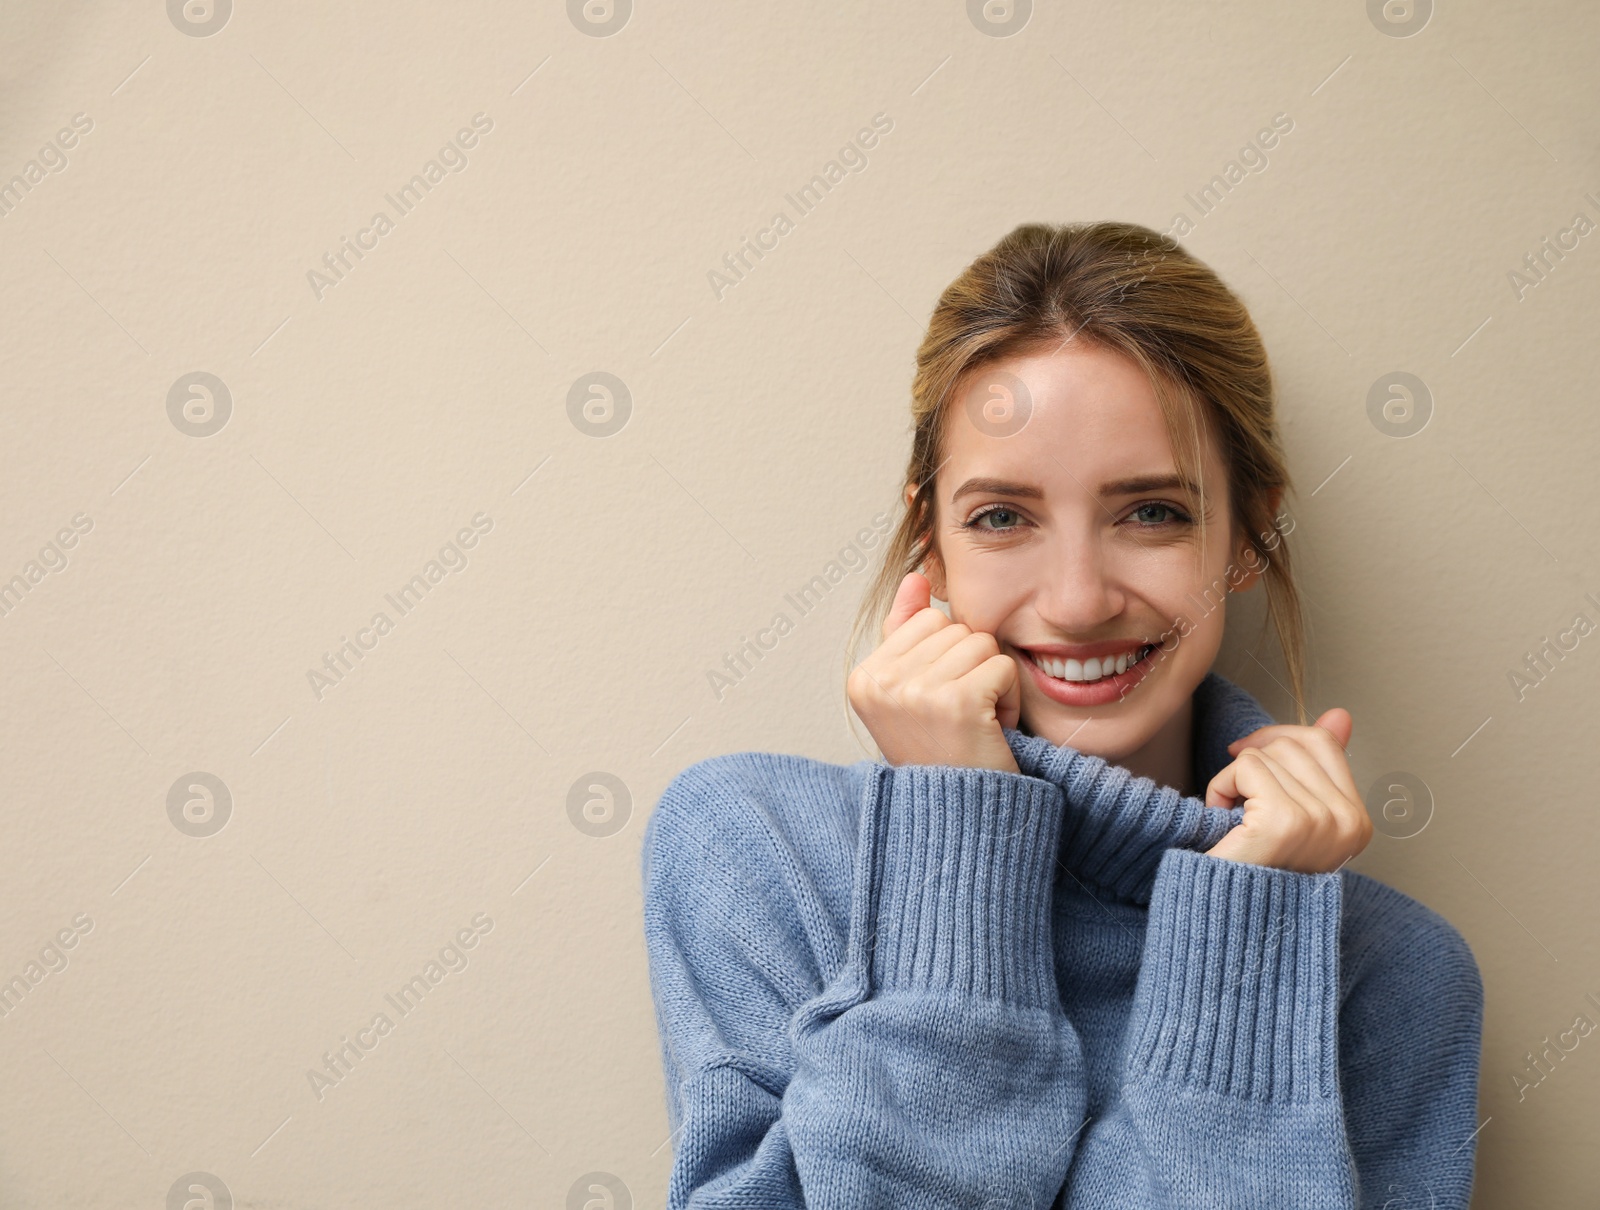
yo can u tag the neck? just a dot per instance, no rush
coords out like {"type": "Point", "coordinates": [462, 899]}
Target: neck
{"type": "Point", "coordinates": [1167, 758]}
{"type": "Point", "coordinates": [1116, 823]}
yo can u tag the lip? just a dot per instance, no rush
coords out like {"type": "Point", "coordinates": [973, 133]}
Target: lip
{"type": "Point", "coordinates": [1099, 693]}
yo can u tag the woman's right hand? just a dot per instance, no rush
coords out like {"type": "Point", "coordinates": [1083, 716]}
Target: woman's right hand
{"type": "Point", "coordinates": [936, 692]}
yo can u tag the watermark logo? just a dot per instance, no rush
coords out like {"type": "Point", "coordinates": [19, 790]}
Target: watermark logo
{"type": "Point", "coordinates": [1399, 18]}
{"type": "Point", "coordinates": [998, 403]}
{"type": "Point", "coordinates": [1400, 804]}
{"type": "Point", "coordinates": [199, 1191]}
{"type": "Point", "coordinates": [599, 804]}
{"type": "Point", "coordinates": [199, 804]}
{"type": "Point", "coordinates": [599, 18]}
{"type": "Point", "coordinates": [599, 1191]}
{"type": "Point", "coordinates": [199, 404]}
{"type": "Point", "coordinates": [199, 19]}
{"type": "Point", "coordinates": [999, 18]}
{"type": "Point", "coordinates": [599, 404]}
{"type": "Point", "coordinates": [1399, 404]}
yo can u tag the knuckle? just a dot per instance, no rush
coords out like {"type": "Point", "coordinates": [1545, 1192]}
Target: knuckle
{"type": "Point", "coordinates": [856, 687]}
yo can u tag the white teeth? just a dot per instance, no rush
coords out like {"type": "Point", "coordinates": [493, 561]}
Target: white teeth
{"type": "Point", "coordinates": [1086, 671]}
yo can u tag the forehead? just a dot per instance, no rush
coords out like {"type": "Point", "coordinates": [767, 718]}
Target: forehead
{"type": "Point", "coordinates": [1067, 415]}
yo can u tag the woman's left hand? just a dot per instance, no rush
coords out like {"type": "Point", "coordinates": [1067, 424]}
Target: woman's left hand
{"type": "Point", "coordinates": [1302, 810]}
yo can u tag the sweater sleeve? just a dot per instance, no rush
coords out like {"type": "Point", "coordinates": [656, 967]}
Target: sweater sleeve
{"type": "Point", "coordinates": [1411, 1034]}
{"type": "Point", "coordinates": [933, 1067]}
{"type": "Point", "coordinates": [1232, 1091]}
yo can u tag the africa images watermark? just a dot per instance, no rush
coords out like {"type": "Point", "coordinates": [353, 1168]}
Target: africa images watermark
{"type": "Point", "coordinates": [1539, 1067]}
{"type": "Point", "coordinates": [336, 265]}
{"type": "Point", "coordinates": [737, 664]}
{"type": "Point", "coordinates": [1216, 592]}
{"type": "Point", "coordinates": [1251, 159]}
{"type": "Point", "coordinates": [1542, 660]}
{"type": "Point", "coordinates": [452, 958]}
{"type": "Point", "coordinates": [1551, 251]}
{"type": "Point", "coordinates": [452, 557]}
{"type": "Point", "coordinates": [52, 158]}
{"type": "Point", "coordinates": [53, 959]}
{"type": "Point", "coordinates": [851, 158]}
{"type": "Point", "coordinates": [52, 557]}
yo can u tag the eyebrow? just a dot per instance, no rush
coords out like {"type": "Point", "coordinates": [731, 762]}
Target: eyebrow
{"type": "Point", "coordinates": [1117, 487]}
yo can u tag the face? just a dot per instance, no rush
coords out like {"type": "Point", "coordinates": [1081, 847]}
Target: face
{"type": "Point", "coordinates": [1071, 542]}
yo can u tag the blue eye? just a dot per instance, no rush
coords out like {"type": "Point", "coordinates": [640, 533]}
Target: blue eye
{"type": "Point", "coordinates": [995, 510]}
{"type": "Point", "coordinates": [1176, 516]}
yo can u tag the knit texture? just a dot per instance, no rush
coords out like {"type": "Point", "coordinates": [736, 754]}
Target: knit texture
{"type": "Point", "coordinates": [933, 986]}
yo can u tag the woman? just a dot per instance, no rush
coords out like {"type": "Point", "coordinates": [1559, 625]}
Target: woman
{"type": "Point", "coordinates": [1020, 962]}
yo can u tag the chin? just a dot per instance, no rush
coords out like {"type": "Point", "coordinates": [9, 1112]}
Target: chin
{"type": "Point", "coordinates": [1112, 740]}
{"type": "Point", "coordinates": [1116, 731]}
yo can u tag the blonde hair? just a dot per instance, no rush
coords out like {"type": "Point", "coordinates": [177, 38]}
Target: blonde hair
{"type": "Point", "coordinates": [1133, 291]}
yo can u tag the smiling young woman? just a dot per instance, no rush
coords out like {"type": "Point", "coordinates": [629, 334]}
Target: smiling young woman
{"type": "Point", "coordinates": [1020, 961]}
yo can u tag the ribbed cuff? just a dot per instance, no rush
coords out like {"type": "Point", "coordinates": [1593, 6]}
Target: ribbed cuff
{"type": "Point", "coordinates": [1238, 990]}
{"type": "Point", "coordinates": [960, 865]}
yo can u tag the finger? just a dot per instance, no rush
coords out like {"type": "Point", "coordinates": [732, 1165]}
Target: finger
{"type": "Point", "coordinates": [970, 650]}
{"type": "Point", "coordinates": [1336, 722]}
{"type": "Point", "coordinates": [1347, 812]}
{"type": "Point", "coordinates": [934, 646]}
{"type": "Point", "coordinates": [1009, 708]}
{"type": "Point", "coordinates": [911, 632]}
{"type": "Point", "coordinates": [1339, 722]}
{"type": "Point", "coordinates": [914, 594]}
{"type": "Point", "coordinates": [1242, 778]}
{"type": "Point", "coordinates": [1307, 770]}
{"type": "Point", "coordinates": [993, 678]}
{"type": "Point", "coordinates": [1295, 790]}
{"type": "Point", "coordinates": [1321, 742]}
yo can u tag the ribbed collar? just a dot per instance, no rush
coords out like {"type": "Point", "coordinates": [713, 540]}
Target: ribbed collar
{"type": "Point", "coordinates": [1117, 825]}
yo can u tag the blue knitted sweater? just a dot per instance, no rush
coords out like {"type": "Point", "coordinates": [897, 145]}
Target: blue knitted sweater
{"type": "Point", "coordinates": [934, 986]}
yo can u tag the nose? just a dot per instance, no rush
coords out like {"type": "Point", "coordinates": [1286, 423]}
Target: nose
{"type": "Point", "coordinates": [1078, 592]}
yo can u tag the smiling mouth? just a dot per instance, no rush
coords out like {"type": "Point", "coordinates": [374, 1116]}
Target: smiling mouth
{"type": "Point", "coordinates": [1093, 670]}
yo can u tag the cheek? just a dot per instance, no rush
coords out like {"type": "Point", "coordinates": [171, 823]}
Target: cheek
{"type": "Point", "coordinates": [984, 601]}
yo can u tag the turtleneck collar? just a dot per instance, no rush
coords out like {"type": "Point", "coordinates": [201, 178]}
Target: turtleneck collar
{"type": "Point", "coordinates": [1117, 826]}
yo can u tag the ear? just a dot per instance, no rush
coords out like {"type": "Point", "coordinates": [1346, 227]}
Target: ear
{"type": "Point", "coordinates": [931, 566]}
{"type": "Point", "coordinates": [1250, 561]}
{"type": "Point", "coordinates": [934, 570]}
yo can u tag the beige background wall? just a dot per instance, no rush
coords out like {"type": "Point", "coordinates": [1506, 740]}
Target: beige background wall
{"type": "Point", "coordinates": [427, 790]}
